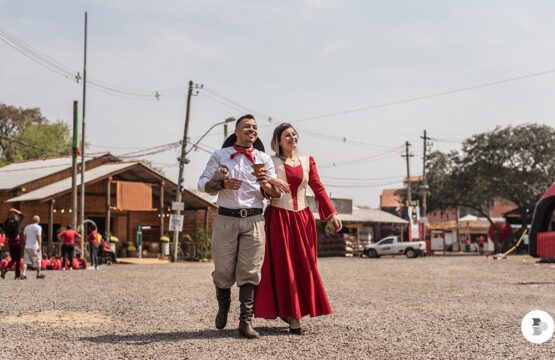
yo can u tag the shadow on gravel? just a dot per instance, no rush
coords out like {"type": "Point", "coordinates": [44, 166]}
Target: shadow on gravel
{"type": "Point", "coordinates": [145, 339]}
{"type": "Point", "coordinates": [535, 283]}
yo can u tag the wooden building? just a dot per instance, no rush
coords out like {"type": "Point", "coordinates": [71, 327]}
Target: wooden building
{"type": "Point", "coordinates": [119, 196]}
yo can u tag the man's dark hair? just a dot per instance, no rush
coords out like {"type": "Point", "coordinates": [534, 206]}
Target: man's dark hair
{"type": "Point", "coordinates": [69, 227]}
{"type": "Point", "coordinates": [93, 228]}
{"type": "Point", "coordinates": [246, 116]}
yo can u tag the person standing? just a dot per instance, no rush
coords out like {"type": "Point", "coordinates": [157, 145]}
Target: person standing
{"type": "Point", "coordinates": [93, 247]}
{"type": "Point", "coordinates": [32, 234]}
{"type": "Point", "coordinates": [238, 230]}
{"type": "Point", "coordinates": [11, 227]}
{"type": "Point", "coordinates": [291, 287]}
{"type": "Point", "coordinates": [68, 237]}
{"type": "Point", "coordinates": [2, 242]}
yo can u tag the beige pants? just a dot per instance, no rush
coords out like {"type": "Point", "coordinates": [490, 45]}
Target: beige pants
{"type": "Point", "coordinates": [238, 250]}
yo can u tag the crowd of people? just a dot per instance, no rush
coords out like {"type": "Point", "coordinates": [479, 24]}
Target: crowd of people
{"type": "Point", "coordinates": [25, 248]}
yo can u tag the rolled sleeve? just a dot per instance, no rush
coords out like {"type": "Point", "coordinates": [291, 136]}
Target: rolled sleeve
{"type": "Point", "coordinates": [209, 171]}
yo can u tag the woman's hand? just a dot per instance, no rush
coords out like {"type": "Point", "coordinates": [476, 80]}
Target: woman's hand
{"type": "Point", "coordinates": [336, 222]}
{"type": "Point", "coordinates": [281, 185]}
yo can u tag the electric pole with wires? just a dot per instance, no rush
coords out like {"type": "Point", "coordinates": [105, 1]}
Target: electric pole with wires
{"type": "Point", "coordinates": [182, 161]}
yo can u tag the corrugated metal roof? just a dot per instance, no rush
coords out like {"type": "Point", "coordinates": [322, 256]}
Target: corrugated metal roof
{"type": "Point", "coordinates": [65, 184]}
{"type": "Point", "coordinates": [23, 172]}
{"type": "Point", "coordinates": [17, 174]}
{"type": "Point", "coordinates": [369, 215]}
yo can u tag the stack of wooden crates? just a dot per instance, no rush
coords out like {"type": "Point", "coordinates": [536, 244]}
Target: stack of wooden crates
{"type": "Point", "coordinates": [331, 244]}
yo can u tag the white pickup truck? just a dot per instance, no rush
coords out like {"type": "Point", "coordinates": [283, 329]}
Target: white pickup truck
{"type": "Point", "coordinates": [392, 246]}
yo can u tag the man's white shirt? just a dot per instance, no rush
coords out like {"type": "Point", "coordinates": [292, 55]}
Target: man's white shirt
{"type": "Point", "coordinates": [32, 232]}
{"type": "Point", "coordinates": [249, 194]}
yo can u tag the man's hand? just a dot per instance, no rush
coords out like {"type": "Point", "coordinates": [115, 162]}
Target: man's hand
{"type": "Point", "coordinates": [233, 184]}
{"type": "Point", "coordinates": [262, 177]}
{"type": "Point", "coordinates": [280, 184]}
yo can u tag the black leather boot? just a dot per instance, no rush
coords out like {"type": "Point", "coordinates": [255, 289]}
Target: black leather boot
{"type": "Point", "coordinates": [246, 297]}
{"type": "Point", "coordinates": [224, 299]}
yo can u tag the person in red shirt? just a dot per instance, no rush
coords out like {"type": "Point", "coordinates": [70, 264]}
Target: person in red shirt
{"type": "Point", "coordinates": [2, 242]}
{"type": "Point", "coordinates": [106, 250]}
{"type": "Point", "coordinates": [68, 245]}
{"type": "Point", "coordinates": [93, 246]}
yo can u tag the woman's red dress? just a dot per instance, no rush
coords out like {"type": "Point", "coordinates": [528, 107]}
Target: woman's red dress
{"type": "Point", "coordinates": [290, 283]}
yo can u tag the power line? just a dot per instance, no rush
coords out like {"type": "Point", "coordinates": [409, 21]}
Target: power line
{"type": "Point", "coordinates": [383, 155]}
{"type": "Point", "coordinates": [68, 73]}
{"type": "Point", "coordinates": [361, 179]}
{"type": "Point", "coordinates": [19, 142]}
{"type": "Point", "coordinates": [360, 186]}
{"type": "Point", "coordinates": [424, 97]}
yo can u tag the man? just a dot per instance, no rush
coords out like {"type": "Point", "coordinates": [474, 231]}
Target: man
{"type": "Point", "coordinates": [238, 236]}
{"type": "Point", "coordinates": [31, 253]}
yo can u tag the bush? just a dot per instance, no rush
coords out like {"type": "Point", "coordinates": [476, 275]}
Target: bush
{"type": "Point", "coordinates": [201, 239]}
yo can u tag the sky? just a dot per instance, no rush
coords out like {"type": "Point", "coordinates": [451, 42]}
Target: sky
{"type": "Point", "coordinates": [353, 77]}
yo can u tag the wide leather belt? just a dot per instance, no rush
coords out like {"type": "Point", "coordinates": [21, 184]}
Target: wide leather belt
{"type": "Point", "coordinates": [242, 213]}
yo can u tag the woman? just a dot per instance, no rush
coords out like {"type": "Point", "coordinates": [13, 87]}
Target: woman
{"type": "Point", "coordinates": [11, 228]}
{"type": "Point", "coordinates": [93, 247]}
{"type": "Point", "coordinates": [291, 287]}
{"type": "Point", "coordinates": [68, 245]}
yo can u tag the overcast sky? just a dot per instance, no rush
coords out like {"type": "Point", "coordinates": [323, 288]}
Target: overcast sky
{"type": "Point", "coordinates": [289, 60]}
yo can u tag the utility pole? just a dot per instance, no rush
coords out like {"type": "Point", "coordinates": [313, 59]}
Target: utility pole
{"type": "Point", "coordinates": [424, 180]}
{"type": "Point", "coordinates": [182, 161]}
{"type": "Point", "coordinates": [407, 157]}
{"type": "Point", "coordinates": [82, 212]}
{"type": "Point", "coordinates": [74, 150]}
{"type": "Point", "coordinates": [424, 212]}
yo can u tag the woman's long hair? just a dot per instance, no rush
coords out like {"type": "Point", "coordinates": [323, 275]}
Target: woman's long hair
{"type": "Point", "coordinates": [277, 137]}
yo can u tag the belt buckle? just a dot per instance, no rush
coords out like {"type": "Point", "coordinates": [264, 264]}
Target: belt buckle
{"type": "Point", "coordinates": [243, 213]}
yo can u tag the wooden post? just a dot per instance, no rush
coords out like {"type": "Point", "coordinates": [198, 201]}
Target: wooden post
{"type": "Point", "coordinates": [129, 238]}
{"type": "Point", "coordinates": [196, 220]}
{"type": "Point", "coordinates": [161, 213]}
{"type": "Point", "coordinates": [206, 218]}
{"type": "Point", "coordinates": [107, 231]}
{"type": "Point", "coordinates": [50, 227]}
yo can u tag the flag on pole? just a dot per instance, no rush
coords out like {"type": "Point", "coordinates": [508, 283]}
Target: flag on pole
{"type": "Point", "coordinates": [76, 135]}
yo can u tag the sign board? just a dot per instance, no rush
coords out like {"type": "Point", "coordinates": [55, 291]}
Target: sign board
{"type": "Point", "coordinates": [178, 206]}
{"type": "Point", "coordinates": [436, 244]}
{"type": "Point", "coordinates": [176, 222]}
{"type": "Point", "coordinates": [414, 218]}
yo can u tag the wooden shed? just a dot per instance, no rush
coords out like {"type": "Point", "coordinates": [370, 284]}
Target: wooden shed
{"type": "Point", "coordinates": [119, 196]}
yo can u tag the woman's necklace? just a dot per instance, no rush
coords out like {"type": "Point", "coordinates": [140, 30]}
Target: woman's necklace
{"type": "Point", "coordinates": [291, 161]}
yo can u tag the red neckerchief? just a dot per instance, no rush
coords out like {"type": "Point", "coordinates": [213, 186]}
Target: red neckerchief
{"type": "Point", "coordinates": [247, 153]}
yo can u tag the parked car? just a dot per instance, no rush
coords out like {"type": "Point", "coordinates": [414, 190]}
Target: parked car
{"type": "Point", "coordinates": [392, 245]}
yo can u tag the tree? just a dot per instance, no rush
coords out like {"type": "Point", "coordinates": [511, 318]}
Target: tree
{"type": "Point", "coordinates": [513, 163]}
{"type": "Point", "coordinates": [26, 134]}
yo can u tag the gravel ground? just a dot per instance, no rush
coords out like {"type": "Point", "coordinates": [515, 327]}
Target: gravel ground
{"type": "Point", "coordinates": [387, 308]}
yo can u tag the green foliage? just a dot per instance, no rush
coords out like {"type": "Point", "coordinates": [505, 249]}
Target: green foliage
{"type": "Point", "coordinates": [513, 163]}
{"type": "Point", "coordinates": [201, 239]}
{"type": "Point", "coordinates": [29, 126]}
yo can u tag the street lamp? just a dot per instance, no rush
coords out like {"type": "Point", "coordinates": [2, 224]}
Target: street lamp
{"type": "Point", "coordinates": [182, 161]}
{"type": "Point", "coordinates": [230, 119]}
